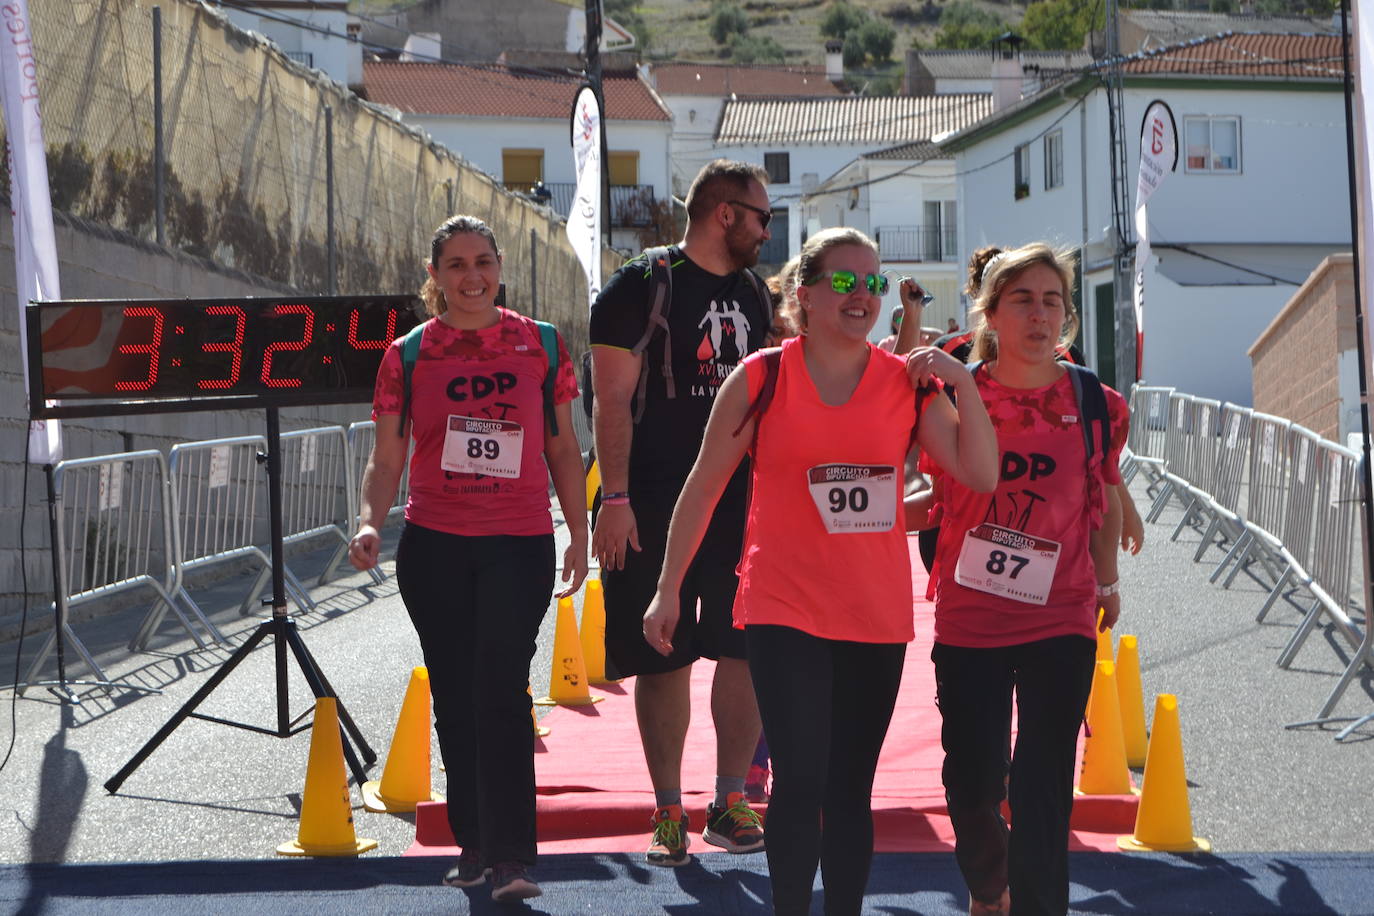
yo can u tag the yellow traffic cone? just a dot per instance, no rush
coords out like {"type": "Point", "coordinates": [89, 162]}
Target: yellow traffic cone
{"type": "Point", "coordinates": [1132, 700]}
{"type": "Point", "coordinates": [568, 681]}
{"type": "Point", "coordinates": [540, 731]}
{"type": "Point", "coordinates": [405, 780]}
{"type": "Point", "coordinates": [1163, 822]}
{"type": "Point", "coordinates": [1104, 640]}
{"type": "Point", "coordinates": [593, 633]}
{"type": "Point", "coordinates": [1104, 753]}
{"type": "Point", "coordinates": [593, 483]}
{"type": "Point", "coordinates": [326, 816]}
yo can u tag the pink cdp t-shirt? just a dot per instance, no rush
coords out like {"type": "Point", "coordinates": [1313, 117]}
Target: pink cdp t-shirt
{"type": "Point", "coordinates": [1043, 491]}
{"type": "Point", "coordinates": [492, 374]}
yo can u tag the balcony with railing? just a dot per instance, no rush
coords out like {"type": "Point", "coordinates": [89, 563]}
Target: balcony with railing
{"type": "Point", "coordinates": [918, 243]}
{"type": "Point", "coordinates": [631, 204]}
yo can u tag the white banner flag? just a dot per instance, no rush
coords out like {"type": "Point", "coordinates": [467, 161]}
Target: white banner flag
{"type": "Point", "coordinates": [1158, 157]}
{"type": "Point", "coordinates": [35, 250]}
{"type": "Point", "coordinates": [584, 220]}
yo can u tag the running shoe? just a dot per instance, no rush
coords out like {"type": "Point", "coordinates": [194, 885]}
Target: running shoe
{"type": "Point", "coordinates": [467, 871]}
{"type": "Point", "coordinates": [735, 827]}
{"type": "Point", "coordinates": [510, 881]}
{"type": "Point", "coordinates": [756, 784]}
{"type": "Point", "coordinates": [669, 845]}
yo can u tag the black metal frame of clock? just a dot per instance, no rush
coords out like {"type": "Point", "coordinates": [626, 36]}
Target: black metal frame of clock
{"type": "Point", "coordinates": [110, 357]}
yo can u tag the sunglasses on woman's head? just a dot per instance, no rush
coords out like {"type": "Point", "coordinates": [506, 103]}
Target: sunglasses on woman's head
{"type": "Point", "coordinates": [845, 282]}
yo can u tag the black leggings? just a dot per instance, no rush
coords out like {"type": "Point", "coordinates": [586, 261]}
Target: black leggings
{"type": "Point", "coordinates": [825, 706]}
{"type": "Point", "coordinates": [974, 687]}
{"type": "Point", "coordinates": [476, 603]}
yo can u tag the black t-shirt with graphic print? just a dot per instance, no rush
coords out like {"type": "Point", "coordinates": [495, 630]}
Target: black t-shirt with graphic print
{"type": "Point", "coordinates": [715, 321]}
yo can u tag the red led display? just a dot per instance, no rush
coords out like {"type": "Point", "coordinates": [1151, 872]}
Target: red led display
{"type": "Point", "coordinates": [190, 354]}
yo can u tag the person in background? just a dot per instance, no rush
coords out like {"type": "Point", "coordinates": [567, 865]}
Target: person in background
{"type": "Point", "coordinates": [825, 580]}
{"type": "Point", "coordinates": [475, 563]}
{"type": "Point", "coordinates": [1016, 621]}
{"type": "Point", "coordinates": [952, 327]}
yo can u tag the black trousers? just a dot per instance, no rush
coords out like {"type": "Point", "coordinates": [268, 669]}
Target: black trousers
{"type": "Point", "coordinates": [1051, 679]}
{"type": "Point", "coordinates": [825, 706]}
{"type": "Point", "coordinates": [476, 603]}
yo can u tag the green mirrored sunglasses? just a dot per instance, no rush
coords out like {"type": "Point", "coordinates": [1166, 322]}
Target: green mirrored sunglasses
{"type": "Point", "coordinates": [845, 282]}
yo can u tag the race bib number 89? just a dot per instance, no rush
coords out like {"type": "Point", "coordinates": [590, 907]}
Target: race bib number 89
{"type": "Point", "coordinates": [854, 498]}
{"type": "Point", "coordinates": [1012, 564]}
{"type": "Point", "coordinates": [475, 446]}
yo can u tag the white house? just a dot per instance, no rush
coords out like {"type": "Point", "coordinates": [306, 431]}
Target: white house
{"type": "Point", "coordinates": [317, 33]}
{"type": "Point", "coordinates": [514, 123]}
{"type": "Point", "coordinates": [941, 72]}
{"type": "Point", "coordinates": [696, 93]}
{"type": "Point", "coordinates": [1258, 199]}
{"type": "Point", "coordinates": [803, 142]}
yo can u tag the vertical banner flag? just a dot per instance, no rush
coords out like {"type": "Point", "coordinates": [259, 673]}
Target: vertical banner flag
{"type": "Point", "coordinates": [584, 220]}
{"type": "Point", "coordinates": [1360, 22]}
{"type": "Point", "coordinates": [1158, 157]}
{"type": "Point", "coordinates": [35, 249]}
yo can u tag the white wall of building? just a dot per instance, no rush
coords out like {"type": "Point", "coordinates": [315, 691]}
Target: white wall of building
{"type": "Point", "coordinates": [694, 128]}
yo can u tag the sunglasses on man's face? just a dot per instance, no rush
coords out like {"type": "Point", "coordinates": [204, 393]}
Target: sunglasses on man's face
{"type": "Point", "coordinates": [765, 216]}
{"type": "Point", "coordinates": [845, 282]}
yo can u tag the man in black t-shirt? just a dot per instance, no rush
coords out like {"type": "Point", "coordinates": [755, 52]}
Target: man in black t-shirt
{"type": "Point", "coordinates": [714, 320]}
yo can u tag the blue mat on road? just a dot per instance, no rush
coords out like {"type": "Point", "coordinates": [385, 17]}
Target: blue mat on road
{"type": "Point", "coordinates": [926, 884]}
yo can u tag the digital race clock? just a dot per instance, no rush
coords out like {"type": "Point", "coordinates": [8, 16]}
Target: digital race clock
{"type": "Point", "coordinates": [125, 356]}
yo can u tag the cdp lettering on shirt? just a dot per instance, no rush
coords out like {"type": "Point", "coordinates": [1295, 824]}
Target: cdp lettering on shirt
{"type": "Point", "coordinates": [1015, 465]}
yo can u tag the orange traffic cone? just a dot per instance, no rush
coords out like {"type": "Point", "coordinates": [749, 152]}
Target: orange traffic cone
{"type": "Point", "coordinates": [405, 780]}
{"type": "Point", "coordinates": [326, 816]}
{"type": "Point", "coordinates": [568, 681]}
{"type": "Point", "coordinates": [1132, 700]}
{"type": "Point", "coordinates": [540, 731]}
{"type": "Point", "coordinates": [593, 633]}
{"type": "Point", "coordinates": [1104, 640]}
{"type": "Point", "coordinates": [593, 483]}
{"type": "Point", "coordinates": [1104, 753]}
{"type": "Point", "coordinates": [1163, 822]}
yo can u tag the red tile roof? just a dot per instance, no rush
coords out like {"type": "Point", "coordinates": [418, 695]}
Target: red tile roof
{"type": "Point", "coordinates": [724, 79]}
{"type": "Point", "coordinates": [1246, 54]}
{"type": "Point", "coordinates": [498, 91]}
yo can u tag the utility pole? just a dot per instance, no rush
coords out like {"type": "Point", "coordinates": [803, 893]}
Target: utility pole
{"type": "Point", "coordinates": [593, 53]}
{"type": "Point", "coordinates": [1123, 244]}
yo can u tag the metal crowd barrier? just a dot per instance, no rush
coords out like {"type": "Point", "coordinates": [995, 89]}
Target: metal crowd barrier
{"type": "Point", "coordinates": [1180, 418]}
{"type": "Point", "coordinates": [317, 480]}
{"type": "Point", "coordinates": [1295, 542]}
{"type": "Point", "coordinates": [1335, 516]}
{"type": "Point", "coordinates": [114, 533]}
{"type": "Point", "coordinates": [1197, 478]}
{"type": "Point", "coordinates": [1148, 434]}
{"type": "Point", "coordinates": [1222, 502]}
{"type": "Point", "coordinates": [215, 492]}
{"type": "Point", "coordinates": [1266, 492]}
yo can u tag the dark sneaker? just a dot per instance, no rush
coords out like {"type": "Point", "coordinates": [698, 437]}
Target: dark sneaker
{"type": "Point", "coordinates": [669, 845]}
{"type": "Point", "coordinates": [510, 881]}
{"type": "Point", "coordinates": [756, 784]}
{"type": "Point", "coordinates": [467, 871]}
{"type": "Point", "coordinates": [735, 827]}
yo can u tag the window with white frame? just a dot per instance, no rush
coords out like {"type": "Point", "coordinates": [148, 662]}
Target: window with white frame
{"type": "Point", "coordinates": [1021, 156]}
{"type": "Point", "coordinates": [1212, 145]}
{"type": "Point", "coordinates": [1054, 159]}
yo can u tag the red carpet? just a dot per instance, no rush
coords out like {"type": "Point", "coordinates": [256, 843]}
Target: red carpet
{"type": "Point", "coordinates": [595, 796]}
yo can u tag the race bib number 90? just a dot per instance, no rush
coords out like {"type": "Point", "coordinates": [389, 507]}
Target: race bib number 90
{"type": "Point", "coordinates": [854, 498]}
{"type": "Point", "coordinates": [1012, 564]}
{"type": "Point", "coordinates": [490, 447]}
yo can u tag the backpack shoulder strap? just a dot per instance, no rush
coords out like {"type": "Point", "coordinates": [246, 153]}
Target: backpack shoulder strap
{"type": "Point", "coordinates": [660, 301]}
{"type": "Point", "coordinates": [410, 352]}
{"type": "Point", "coordinates": [772, 365]}
{"type": "Point", "coordinates": [548, 338]}
{"type": "Point", "coordinates": [1092, 408]}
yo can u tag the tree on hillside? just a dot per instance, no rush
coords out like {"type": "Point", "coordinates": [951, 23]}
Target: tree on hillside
{"type": "Point", "coordinates": [965, 26]}
{"type": "Point", "coordinates": [841, 18]}
{"type": "Point", "coordinates": [756, 49]}
{"type": "Point", "coordinates": [727, 19]}
{"type": "Point", "coordinates": [626, 14]}
{"type": "Point", "coordinates": [1055, 25]}
{"type": "Point", "coordinates": [876, 38]}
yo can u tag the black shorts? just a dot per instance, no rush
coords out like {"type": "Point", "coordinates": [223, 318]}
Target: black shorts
{"type": "Point", "coordinates": [710, 580]}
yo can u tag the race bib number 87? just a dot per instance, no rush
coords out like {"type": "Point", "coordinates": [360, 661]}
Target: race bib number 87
{"type": "Point", "coordinates": [1006, 562]}
{"type": "Point", "coordinates": [854, 498]}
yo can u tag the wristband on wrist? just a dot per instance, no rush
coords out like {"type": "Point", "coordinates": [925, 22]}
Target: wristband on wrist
{"type": "Point", "coordinates": [1106, 591]}
{"type": "Point", "coordinates": [615, 499]}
